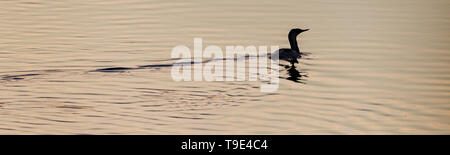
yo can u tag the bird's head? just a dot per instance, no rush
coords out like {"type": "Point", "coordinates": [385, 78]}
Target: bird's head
{"type": "Point", "coordinates": [297, 31]}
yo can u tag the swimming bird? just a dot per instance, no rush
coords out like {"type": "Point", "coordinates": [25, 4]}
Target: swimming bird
{"type": "Point", "coordinates": [290, 54]}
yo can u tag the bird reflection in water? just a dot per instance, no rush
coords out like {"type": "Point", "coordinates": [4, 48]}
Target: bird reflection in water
{"type": "Point", "coordinates": [294, 74]}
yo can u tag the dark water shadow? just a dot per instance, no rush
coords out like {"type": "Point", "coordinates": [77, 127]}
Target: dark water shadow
{"type": "Point", "coordinates": [18, 77]}
{"type": "Point", "coordinates": [122, 69]}
{"type": "Point", "coordinates": [113, 69]}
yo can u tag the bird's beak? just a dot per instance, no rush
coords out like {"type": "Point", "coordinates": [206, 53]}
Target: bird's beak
{"type": "Point", "coordinates": [305, 30]}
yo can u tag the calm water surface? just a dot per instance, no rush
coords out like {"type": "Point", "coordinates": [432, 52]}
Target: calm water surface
{"type": "Point", "coordinates": [376, 67]}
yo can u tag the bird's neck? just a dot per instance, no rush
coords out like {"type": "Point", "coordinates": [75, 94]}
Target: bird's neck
{"type": "Point", "coordinates": [293, 42]}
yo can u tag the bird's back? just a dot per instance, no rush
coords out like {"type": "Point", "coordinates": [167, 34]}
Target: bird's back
{"type": "Point", "coordinates": [287, 55]}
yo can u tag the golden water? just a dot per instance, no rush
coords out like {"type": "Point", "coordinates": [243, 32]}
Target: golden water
{"type": "Point", "coordinates": [376, 67]}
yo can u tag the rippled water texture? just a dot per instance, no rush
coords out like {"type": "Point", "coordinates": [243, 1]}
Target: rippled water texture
{"type": "Point", "coordinates": [376, 67]}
